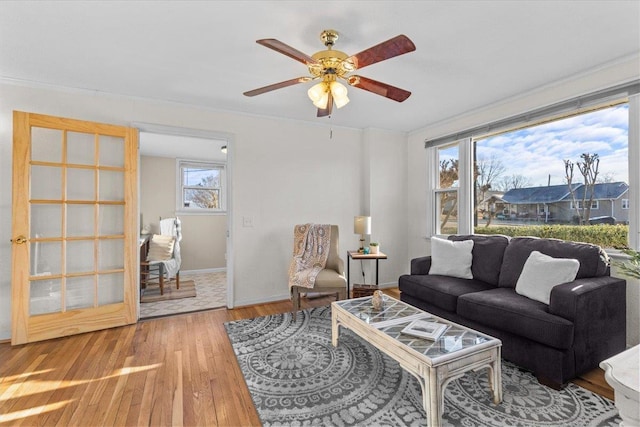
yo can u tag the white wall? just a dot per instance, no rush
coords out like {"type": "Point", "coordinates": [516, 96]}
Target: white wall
{"type": "Point", "coordinates": [284, 173]}
{"type": "Point", "coordinates": [623, 71]}
{"type": "Point", "coordinates": [387, 201]}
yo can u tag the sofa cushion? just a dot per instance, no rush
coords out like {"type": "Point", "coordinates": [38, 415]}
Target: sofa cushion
{"type": "Point", "coordinates": [441, 291]}
{"type": "Point", "coordinates": [450, 258]}
{"type": "Point", "coordinates": [504, 309]}
{"type": "Point", "coordinates": [541, 273]}
{"type": "Point", "coordinates": [488, 252]}
{"type": "Point", "coordinates": [594, 262]}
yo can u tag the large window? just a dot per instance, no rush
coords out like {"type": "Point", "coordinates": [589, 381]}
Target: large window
{"type": "Point", "coordinates": [201, 187]}
{"type": "Point", "coordinates": [567, 172]}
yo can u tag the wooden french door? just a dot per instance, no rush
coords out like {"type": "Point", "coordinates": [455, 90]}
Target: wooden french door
{"type": "Point", "coordinates": [74, 242]}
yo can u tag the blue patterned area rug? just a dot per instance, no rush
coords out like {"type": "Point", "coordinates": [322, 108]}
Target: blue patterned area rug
{"type": "Point", "coordinates": [296, 377]}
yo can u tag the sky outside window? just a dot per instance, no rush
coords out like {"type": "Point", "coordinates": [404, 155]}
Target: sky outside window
{"type": "Point", "coordinates": [538, 152]}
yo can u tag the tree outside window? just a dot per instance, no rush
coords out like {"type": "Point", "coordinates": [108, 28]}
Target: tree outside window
{"type": "Point", "coordinates": [446, 195]}
{"type": "Point", "coordinates": [201, 186]}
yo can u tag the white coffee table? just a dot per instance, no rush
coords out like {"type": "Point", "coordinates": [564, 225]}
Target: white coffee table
{"type": "Point", "coordinates": [433, 363]}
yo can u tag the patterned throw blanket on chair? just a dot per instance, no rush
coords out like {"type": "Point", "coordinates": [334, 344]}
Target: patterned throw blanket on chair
{"type": "Point", "coordinates": [310, 253]}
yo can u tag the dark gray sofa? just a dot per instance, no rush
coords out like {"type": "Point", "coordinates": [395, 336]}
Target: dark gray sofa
{"type": "Point", "coordinates": [584, 323]}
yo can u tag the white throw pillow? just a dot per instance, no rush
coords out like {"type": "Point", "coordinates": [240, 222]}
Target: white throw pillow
{"type": "Point", "coordinates": [542, 272]}
{"type": "Point", "coordinates": [449, 258]}
{"type": "Point", "coordinates": [160, 248]}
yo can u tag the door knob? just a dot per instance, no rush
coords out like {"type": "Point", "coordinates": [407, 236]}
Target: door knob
{"type": "Point", "coordinates": [19, 240]}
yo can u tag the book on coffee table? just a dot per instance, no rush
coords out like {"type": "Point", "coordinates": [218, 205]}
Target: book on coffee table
{"type": "Point", "coordinates": [425, 329]}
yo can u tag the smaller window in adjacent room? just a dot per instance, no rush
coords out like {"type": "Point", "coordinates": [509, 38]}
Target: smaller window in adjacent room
{"type": "Point", "coordinates": [625, 203]}
{"type": "Point", "coordinates": [201, 187]}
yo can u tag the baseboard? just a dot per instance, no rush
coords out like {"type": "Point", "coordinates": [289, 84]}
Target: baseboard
{"type": "Point", "coordinates": [286, 297]}
{"type": "Point", "coordinates": [247, 302]}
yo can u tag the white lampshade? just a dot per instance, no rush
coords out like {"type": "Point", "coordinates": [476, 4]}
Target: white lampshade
{"type": "Point", "coordinates": [339, 92]}
{"type": "Point", "coordinates": [319, 95]}
{"type": "Point", "coordinates": [362, 225]}
{"type": "Point", "coordinates": [323, 101]}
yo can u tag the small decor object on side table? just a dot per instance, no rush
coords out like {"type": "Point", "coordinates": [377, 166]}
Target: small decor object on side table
{"type": "Point", "coordinates": [374, 248]}
{"type": "Point", "coordinates": [377, 301]}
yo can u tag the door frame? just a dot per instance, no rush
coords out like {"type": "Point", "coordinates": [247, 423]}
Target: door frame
{"type": "Point", "coordinates": [203, 134]}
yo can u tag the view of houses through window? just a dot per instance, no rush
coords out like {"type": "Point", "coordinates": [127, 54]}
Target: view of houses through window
{"type": "Point", "coordinates": [559, 175]}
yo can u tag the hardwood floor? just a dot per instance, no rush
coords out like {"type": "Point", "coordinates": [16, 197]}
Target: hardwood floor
{"type": "Point", "coordinates": [178, 370]}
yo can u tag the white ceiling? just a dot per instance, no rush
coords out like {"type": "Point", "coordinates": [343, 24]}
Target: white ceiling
{"type": "Point", "coordinates": [469, 53]}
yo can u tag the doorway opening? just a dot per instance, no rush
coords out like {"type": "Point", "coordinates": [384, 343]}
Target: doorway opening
{"type": "Point", "coordinates": [184, 175]}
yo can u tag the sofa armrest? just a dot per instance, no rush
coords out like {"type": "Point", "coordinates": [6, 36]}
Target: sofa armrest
{"type": "Point", "coordinates": [421, 265]}
{"type": "Point", "coordinates": [589, 298]}
{"type": "Point", "coordinates": [597, 307]}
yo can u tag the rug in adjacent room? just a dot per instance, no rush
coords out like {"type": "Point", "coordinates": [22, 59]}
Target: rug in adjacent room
{"type": "Point", "coordinates": [295, 376]}
{"type": "Point", "coordinates": [152, 293]}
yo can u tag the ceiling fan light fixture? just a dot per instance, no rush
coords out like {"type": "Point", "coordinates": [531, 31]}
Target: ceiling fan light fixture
{"type": "Point", "coordinates": [323, 101]}
{"type": "Point", "coordinates": [319, 95]}
{"type": "Point", "coordinates": [339, 93]}
{"type": "Point", "coordinates": [317, 91]}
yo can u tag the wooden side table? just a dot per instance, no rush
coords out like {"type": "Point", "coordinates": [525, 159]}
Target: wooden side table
{"type": "Point", "coordinates": [357, 255]}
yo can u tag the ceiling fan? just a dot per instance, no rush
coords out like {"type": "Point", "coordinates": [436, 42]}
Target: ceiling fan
{"type": "Point", "coordinates": [330, 65]}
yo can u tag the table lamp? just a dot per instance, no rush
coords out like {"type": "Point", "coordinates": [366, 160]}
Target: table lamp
{"type": "Point", "coordinates": [362, 226]}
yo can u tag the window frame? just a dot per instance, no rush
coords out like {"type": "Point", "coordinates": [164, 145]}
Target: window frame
{"type": "Point", "coordinates": [468, 146]}
{"type": "Point", "coordinates": [180, 187]}
{"type": "Point", "coordinates": [625, 203]}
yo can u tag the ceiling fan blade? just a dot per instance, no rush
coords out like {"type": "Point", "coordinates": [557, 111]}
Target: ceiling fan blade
{"type": "Point", "coordinates": [324, 112]}
{"type": "Point", "coordinates": [379, 88]}
{"type": "Point", "coordinates": [393, 47]}
{"type": "Point", "coordinates": [285, 49]}
{"type": "Point", "coordinates": [275, 86]}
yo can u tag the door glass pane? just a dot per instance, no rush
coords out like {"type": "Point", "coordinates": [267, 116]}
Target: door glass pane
{"type": "Point", "coordinates": [45, 297]}
{"type": "Point", "coordinates": [111, 254]}
{"type": "Point", "coordinates": [80, 257]}
{"type": "Point", "coordinates": [111, 186]}
{"type": "Point", "coordinates": [45, 258]}
{"type": "Point", "coordinates": [81, 148]}
{"type": "Point", "coordinates": [46, 145]}
{"type": "Point", "coordinates": [80, 184]}
{"type": "Point", "coordinates": [79, 292]}
{"type": "Point", "coordinates": [46, 183]}
{"type": "Point", "coordinates": [111, 220]}
{"type": "Point", "coordinates": [111, 151]}
{"type": "Point", "coordinates": [46, 220]}
{"type": "Point", "coordinates": [110, 288]}
{"type": "Point", "coordinates": [80, 219]}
